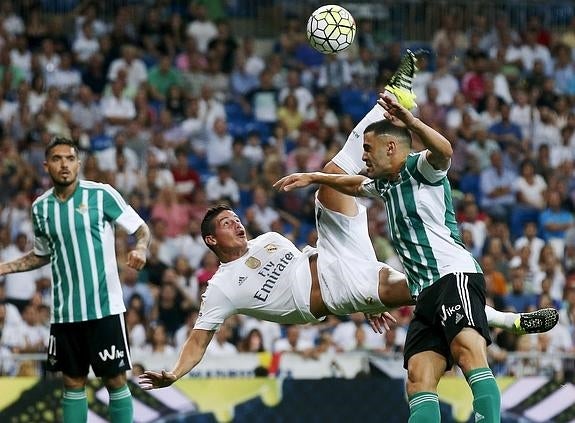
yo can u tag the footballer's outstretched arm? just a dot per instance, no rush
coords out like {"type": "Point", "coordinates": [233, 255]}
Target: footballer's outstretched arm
{"type": "Point", "coordinates": [190, 355]}
{"type": "Point", "coordinates": [346, 184]}
{"type": "Point", "coordinates": [29, 261]}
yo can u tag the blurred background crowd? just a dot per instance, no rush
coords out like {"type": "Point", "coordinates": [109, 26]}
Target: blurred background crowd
{"type": "Point", "coordinates": [183, 104]}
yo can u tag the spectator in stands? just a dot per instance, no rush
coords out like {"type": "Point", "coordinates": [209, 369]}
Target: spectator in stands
{"type": "Point", "coordinates": [355, 334]}
{"type": "Point", "coordinates": [289, 116]}
{"type": "Point", "coordinates": [545, 130]}
{"type": "Point", "coordinates": [531, 240]}
{"type": "Point", "coordinates": [201, 28]}
{"type": "Point", "coordinates": [481, 147]}
{"type": "Point", "coordinates": [555, 220]}
{"type": "Point", "coordinates": [85, 111]}
{"type": "Point", "coordinates": [252, 343]}
{"type": "Point", "coordinates": [159, 343]}
{"type": "Point", "coordinates": [133, 66]}
{"type": "Point", "coordinates": [135, 328]}
{"type": "Point", "coordinates": [293, 342]}
{"type": "Point", "coordinates": [221, 186]}
{"type": "Point", "coordinates": [529, 189]}
{"type": "Point", "coordinates": [446, 83]}
{"type": "Point", "coordinates": [171, 307]}
{"type": "Point", "coordinates": [549, 267]}
{"type": "Point", "coordinates": [20, 287]}
{"type": "Point", "coordinates": [161, 77]}
{"type": "Point", "coordinates": [294, 87]}
{"type": "Point", "coordinates": [170, 208]}
{"type": "Point", "coordinates": [132, 287]}
{"type": "Point", "coordinates": [218, 144]}
{"type": "Point", "coordinates": [117, 110]}
{"type": "Point", "coordinates": [220, 345]}
{"type": "Point", "coordinates": [182, 333]}
{"type": "Point", "coordinates": [242, 169]}
{"type": "Point", "coordinates": [507, 133]}
{"type": "Point", "coordinates": [518, 299]}
{"type": "Point", "coordinates": [496, 184]}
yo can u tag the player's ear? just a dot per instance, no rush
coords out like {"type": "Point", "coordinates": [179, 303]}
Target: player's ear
{"type": "Point", "coordinates": [210, 240]}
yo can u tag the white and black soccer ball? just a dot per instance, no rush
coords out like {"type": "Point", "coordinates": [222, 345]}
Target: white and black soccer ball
{"type": "Point", "coordinates": [330, 29]}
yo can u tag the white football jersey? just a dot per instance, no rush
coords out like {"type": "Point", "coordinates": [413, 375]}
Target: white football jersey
{"type": "Point", "coordinates": [272, 281]}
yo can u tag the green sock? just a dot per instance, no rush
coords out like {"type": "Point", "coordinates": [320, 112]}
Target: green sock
{"type": "Point", "coordinates": [121, 407]}
{"type": "Point", "coordinates": [424, 408]}
{"type": "Point", "coordinates": [486, 395]}
{"type": "Point", "coordinates": [75, 405]}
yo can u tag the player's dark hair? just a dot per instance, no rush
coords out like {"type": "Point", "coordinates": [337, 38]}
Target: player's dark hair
{"type": "Point", "coordinates": [60, 141]}
{"type": "Point", "coordinates": [385, 127]}
{"type": "Point", "coordinates": [207, 226]}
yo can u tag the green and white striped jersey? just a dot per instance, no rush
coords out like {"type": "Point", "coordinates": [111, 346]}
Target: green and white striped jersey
{"type": "Point", "coordinates": [78, 236]}
{"type": "Point", "coordinates": [422, 223]}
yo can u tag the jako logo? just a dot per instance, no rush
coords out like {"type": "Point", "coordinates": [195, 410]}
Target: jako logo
{"type": "Point", "coordinates": [105, 355]}
{"type": "Point", "coordinates": [448, 312]}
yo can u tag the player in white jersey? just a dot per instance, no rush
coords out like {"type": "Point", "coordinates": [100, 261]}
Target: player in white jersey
{"type": "Point", "coordinates": [73, 231]}
{"type": "Point", "coordinates": [271, 279]}
{"type": "Point", "coordinates": [450, 323]}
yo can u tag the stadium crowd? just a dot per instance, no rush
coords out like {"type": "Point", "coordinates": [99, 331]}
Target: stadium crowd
{"type": "Point", "coordinates": [177, 112]}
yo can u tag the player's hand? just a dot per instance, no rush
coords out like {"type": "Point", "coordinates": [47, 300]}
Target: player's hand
{"type": "Point", "coordinates": [294, 181]}
{"type": "Point", "coordinates": [380, 321]}
{"type": "Point", "coordinates": [395, 112]}
{"type": "Point", "coordinates": [136, 259]}
{"type": "Point", "coordinates": [154, 380]}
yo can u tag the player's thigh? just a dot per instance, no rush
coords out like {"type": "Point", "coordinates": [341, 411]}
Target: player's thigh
{"type": "Point", "coordinates": [469, 350]}
{"type": "Point", "coordinates": [68, 350]}
{"type": "Point", "coordinates": [110, 353]}
{"type": "Point", "coordinates": [462, 315]}
{"type": "Point", "coordinates": [424, 336]}
{"type": "Point", "coordinates": [424, 370]}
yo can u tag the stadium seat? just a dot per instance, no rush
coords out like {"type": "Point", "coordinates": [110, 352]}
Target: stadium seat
{"type": "Point", "coordinates": [357, 103]}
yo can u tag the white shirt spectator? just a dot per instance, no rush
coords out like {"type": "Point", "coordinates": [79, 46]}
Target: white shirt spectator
{"type": "Point", "coordinates": [533, 193]}
{"type": "Point", "coordinates": [8, 110]}
{"type": "Point", "coordinates": [84, 47]}
{"type": "Point", "coordinates": [191, 247]}
{"type": "Point", "coordinates": [219, 147]}
{"type": "Point", "coordinates": [23, 60]}
{"type": "Point", "coordinates": [21, 286]}
{"type": "Point", "coordinates": [447, 86]}
{"type": "Point", "coordinates": [344, 336]}
{"type": "Point", "coordinates": [303, 96]}
{"type": "Point", "coordinates": [217, 189]}
{"type": "Point", "coordinates": [283, 345]}
{"type": "Point", "coordinates": [117, 107]}
{"type": "Point", "coordinates": [217, 349]}
{"type": "Point", "coordinates": [66, 80]}
{"type": "Point", "coordinates": [136, 71]}
{"type": "Point", "coordinates": [203, 31]}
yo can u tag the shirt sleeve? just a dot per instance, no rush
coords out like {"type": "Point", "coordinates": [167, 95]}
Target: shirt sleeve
{"type": "Point", "coordinates": [215, 308]}
{"type": "Point", "coordinates": [427, 170]}
{"type": "Point", "coordinates": [117, 210]}
{"type": "Point", "coordinates": [369, 188]}
{"type": "Point", "coordinates": [41, 245]}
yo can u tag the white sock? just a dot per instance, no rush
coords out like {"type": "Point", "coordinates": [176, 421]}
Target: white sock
{"type": "Point", "coordinates": [500, 319]}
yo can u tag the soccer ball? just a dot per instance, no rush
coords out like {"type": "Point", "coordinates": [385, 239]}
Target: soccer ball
{"type": "Point", "coordinates": [330, 29]}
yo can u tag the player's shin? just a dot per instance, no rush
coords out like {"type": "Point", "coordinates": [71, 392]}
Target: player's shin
{"type": "Point", "coordinates": [121, 407]}
{"type": "Point", "coordinates": [74, 405]}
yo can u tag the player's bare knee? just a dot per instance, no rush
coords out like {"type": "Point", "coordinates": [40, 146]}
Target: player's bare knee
{"type": "Point", "coordinates": [393, 290]}
{"type": "Point", "coordinates": [75, 382]}
{"type": "Point", "coordinates": [115, 382]}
